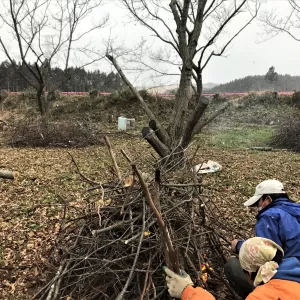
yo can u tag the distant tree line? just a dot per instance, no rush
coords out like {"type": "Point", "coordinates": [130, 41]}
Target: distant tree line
{"type": "Point", "coordinates": [78, 79]}
{"type": "Point", "coordinates": [259, 83]}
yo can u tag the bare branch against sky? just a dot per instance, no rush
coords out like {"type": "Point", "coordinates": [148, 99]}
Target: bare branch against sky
{"type": "Point", "coordinates": [43, 34]}
{"type": "Point", "coordinates": [160, 56]}
{"type": "Point", "coordinates": [191, 33]}
{"type": "Point", "coordinates": [245, 56]}
{"type": "Point", "coordinates": [276, 22]}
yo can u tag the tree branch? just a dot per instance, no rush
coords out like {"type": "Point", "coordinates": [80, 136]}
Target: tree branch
{"type": "Point", "coordinates": [137, 94]}
{"type": "Point", "coordinates": [18, 36]}
{"type": "Point", "coordinates": [15, 67]}
{"type": "Point", "coordinates": [8, 174]}
{"type": "Point", "coordinates": [137, 16]}
{"type": "Point", "coordinates": [227, 44]}
{"type": "Point", "coordinates": [121, 295]}
{"type": "Point", "coordinates": [197, 30]}
{"type": "Point", "coordinates": [161, 224]}
{"type": "Point", "coordinates": [212, 39]}
{"type": "Point", "coordinates": [210, 118]}
{"type": "Point", "coordinates": [275, 26]}
{"type": "Point", "coordinates": [113, 157]}
{"type": "Point", "coordinates": [157, 17]}
{"type": "Point", "coordinates": [189, 128]}
{"type": "Point", "coordinates": [150, 136]}
{"type": "Point", "coordinates": [180, 31]}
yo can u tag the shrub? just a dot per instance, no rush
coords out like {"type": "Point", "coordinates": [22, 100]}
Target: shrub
{"type": "Point", "coordinates": [3, 95]}
{"type": "Point", "coordinates": [296, 99]}
{"type": "Point", "coordinates": [126, 103]}
{"type": "Point", "coordinates": [126, 97]}
{"type": "Point", "coordinates": [11, 102]}
{"type": "Point", "coordinates": [93, 94]}
{"type": "Point", "coordinates": [54, 95]}
{"type": "Point", "coordinates": [148, 97]}
{"type": "Point", "coordinates": [19, 104]}
{"type": "Point", "coordinates": [29, 132]}
{"type": "Point", "coordinates": [288, 134]}
{"type": "Point", "coordinates": [217, 98]}
{"type": "Point", "coordinates": [265, 98]}
{"type": "Point", "coordinates": [29, 93]}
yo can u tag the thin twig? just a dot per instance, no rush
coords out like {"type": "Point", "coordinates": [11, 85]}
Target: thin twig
{"type": "Point", "coordinates": [121, 295]}
{"type": "Point", "coordinates": [99, 205]}
{"type": "Point", "coordinates": [57, 285]}
{"type": "Point", "coordinates": [94, 232]}
{"type": "Point", "coordinates": [126, 156]}
{"type": "Point", "coordinates": [173, 259]}
{"type": "Point", "coordinates": [52, 287]}
{"type": "Point", "coordinates": [180, 184]}
{"type": "Point", "coordinates": [113, 157]}
{"type": "Point", "coordinates": [81, 175]}
{"type": "Point", "coordinates": [146, 285]}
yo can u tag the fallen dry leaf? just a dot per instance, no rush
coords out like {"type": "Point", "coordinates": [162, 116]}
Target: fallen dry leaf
{"type": "Point", "coordinates": [128, 181]}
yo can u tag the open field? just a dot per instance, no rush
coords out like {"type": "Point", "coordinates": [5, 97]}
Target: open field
{"type": "Point", "coordinates": [238, 137]}
{"type": "Point", "coordinates": [32, 206]}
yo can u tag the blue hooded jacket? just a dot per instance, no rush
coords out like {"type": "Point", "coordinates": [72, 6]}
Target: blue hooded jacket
{"type": "Point", "coordinates": [280, 222]}
{"type": "Point", "coordinates": [289, 269]}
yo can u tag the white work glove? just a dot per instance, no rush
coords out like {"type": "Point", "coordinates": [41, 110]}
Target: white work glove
{"type": "Point", "coordinates": [177, 283]}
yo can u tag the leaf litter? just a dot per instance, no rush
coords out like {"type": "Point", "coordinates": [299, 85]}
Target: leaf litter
{"type": "Point", "coordinates": [32, 207]}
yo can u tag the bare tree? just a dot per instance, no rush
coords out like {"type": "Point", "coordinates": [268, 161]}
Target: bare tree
{"type": "Point", "coordinates": [275, 23]}
{"type": "Point", "coordinates": [190, 31]}
{"type": "Point", "coordinates": [44, 33]}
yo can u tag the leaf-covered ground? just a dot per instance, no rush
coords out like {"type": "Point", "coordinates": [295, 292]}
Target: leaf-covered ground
{"type": "Point", "coordinates": [31, 207]}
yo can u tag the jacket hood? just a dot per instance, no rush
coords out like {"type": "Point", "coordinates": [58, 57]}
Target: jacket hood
{"type": "Point", "coordinates": [285, 204]}
{"type": "Point", "coordinates": [289, 269]}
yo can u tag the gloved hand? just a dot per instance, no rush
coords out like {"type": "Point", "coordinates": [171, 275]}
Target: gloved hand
{"type": "Point", "coordinates": [177, 283]}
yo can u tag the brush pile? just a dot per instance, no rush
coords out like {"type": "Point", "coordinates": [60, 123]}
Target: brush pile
{"type": "Point", "coordinates": [133, 225]}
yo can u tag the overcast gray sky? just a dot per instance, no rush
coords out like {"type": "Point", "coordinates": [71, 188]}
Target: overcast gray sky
{"type": "Point", "coordinates": [247, 55]}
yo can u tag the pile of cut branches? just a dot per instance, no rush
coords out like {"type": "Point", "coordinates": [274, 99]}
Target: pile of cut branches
{"type": "Point", "coordinates": [133, 225]}
{"type": "Point", "coordinates": [35, 132]}
{"type": "Point", "coordinates": [288, 134]}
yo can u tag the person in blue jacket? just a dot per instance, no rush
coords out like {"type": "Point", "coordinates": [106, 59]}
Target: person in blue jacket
{"type": "Point", "coordinates": [278, 219]}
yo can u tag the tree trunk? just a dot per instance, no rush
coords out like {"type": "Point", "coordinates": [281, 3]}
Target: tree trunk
{"type": "Point", "coordinates": [202, 103]}
{"type": "Point", "coordinates": [182, 97]}
{"type": "Point", "coordinates": [39, 98]}
{"type": "Point", "coordinates": [42, 102]}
